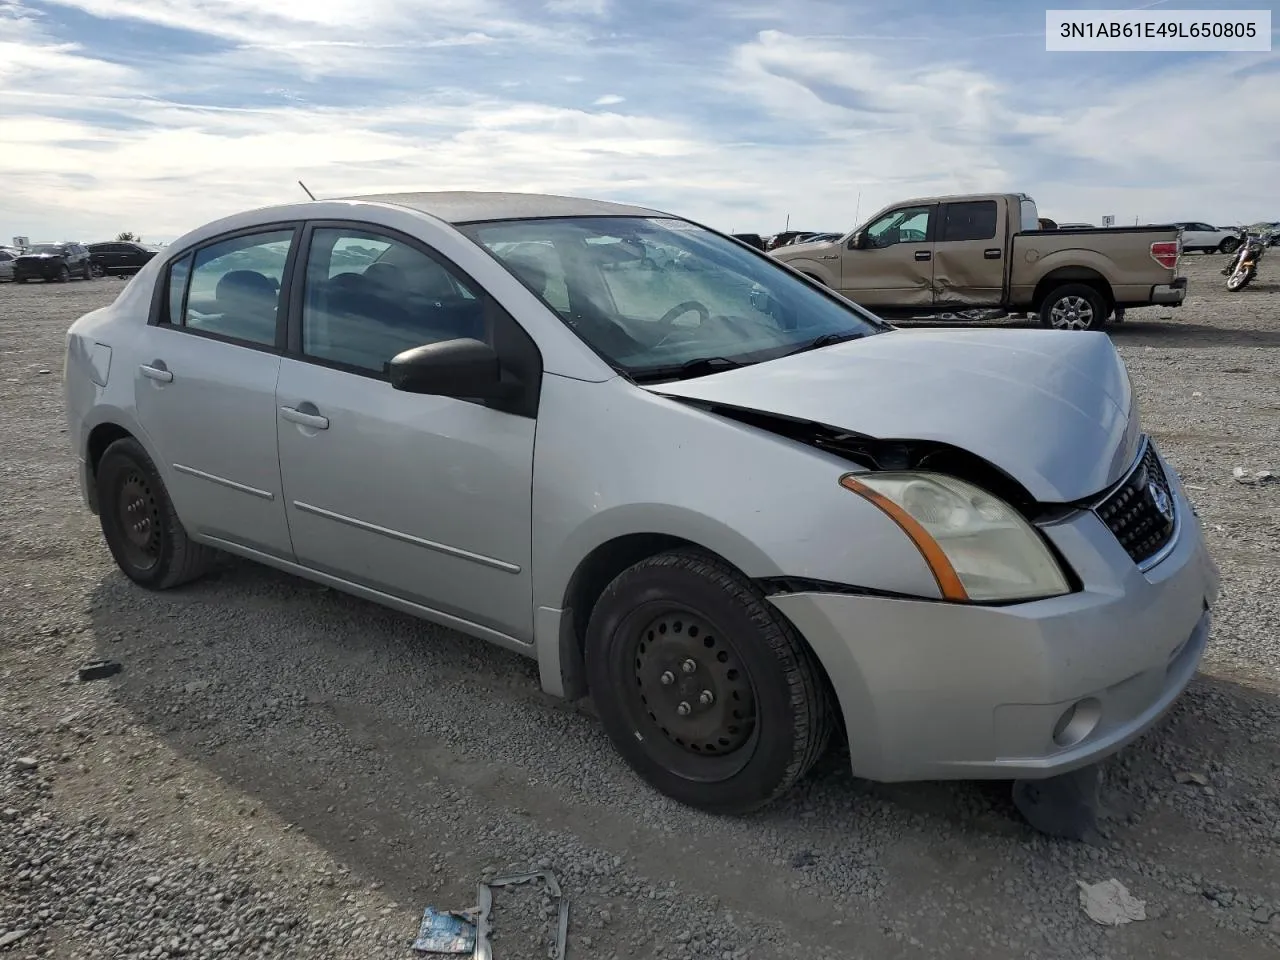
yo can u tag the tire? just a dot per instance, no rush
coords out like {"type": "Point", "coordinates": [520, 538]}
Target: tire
{"type": "Point", "coordinates": [1238, 281]}
{"type": "Point", "coordinates": [87, 272]}
{"type": "Point", "coordinates": [160, 555]}
{"type": "Point", "coordinates": [1229, 245]}
{"type": "Point", "coordinates": [1074, 306]}
{"type": "Point", "coordinates": [686, 607]}
{"type": "Point", "coordinates": [64, 274]}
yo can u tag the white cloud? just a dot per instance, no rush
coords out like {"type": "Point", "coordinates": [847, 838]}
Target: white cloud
{"type": "Point", "coordinates": [380, 95]}
{"type": "Point", "coordinates": [589, 8]}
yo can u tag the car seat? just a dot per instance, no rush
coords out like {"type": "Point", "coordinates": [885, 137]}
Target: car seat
{"type": "Point", "coordinates": [247, 302]}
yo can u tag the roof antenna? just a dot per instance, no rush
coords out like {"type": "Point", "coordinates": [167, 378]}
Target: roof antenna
{"type": "Point", "coordinates": [308, 192]}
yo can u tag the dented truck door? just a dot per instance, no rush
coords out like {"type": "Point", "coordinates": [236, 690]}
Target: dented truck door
{"type": "Point", "coordinates": [970, 254]}
{"type": "Point", "coordinates": [889, 263]}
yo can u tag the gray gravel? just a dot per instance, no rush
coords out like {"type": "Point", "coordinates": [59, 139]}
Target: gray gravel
{"type": "Point", "coordinates": [281, 770]}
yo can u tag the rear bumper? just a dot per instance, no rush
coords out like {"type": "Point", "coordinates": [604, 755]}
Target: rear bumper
{"type": "Point", "coordinates": [933, 690]}
{"type": "Point", "coordinates": [1170, 294]}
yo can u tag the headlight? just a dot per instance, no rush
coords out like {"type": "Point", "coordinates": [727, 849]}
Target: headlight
{"type": "Point", "coordinates": [978, 547]}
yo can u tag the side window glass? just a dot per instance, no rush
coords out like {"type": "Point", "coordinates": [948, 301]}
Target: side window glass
{"type": "Point", "coordinates": [972, 220]}
{"type": "Point", "coordinates": [178, 274]}
{"type": "Point", "coordinates": [369, 297]}
{"type": "Point", "coordinates": [910, 225]}
{"type": "Point", "coordinates": [235, 286]}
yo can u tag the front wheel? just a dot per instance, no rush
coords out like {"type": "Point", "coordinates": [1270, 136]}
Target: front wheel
{"type": "Point", "coordinates": [64, 274]}
{"type": "Point", "coordinates": [1239, 280]}
{"type": "Point", "coordinates": [140, 525]}
{"type": "Point", "coordinates": [1074, 306]}
{"type": "Point", "coordinates": [707, 692]}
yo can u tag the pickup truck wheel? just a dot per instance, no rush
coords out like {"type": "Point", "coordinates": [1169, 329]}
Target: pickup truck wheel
{"type": "Point", "coordinates": [1074, 306]}
{"type": "Point", "coordinates": [707, 691]}
{"type": "Point", "coordinates": [1229, 245]}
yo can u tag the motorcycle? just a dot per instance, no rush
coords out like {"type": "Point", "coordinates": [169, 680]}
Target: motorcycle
{"type": "Point", "coordinates": [1244, 265]}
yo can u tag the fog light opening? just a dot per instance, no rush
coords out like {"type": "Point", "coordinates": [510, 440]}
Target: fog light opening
{"type": "Point", "coordinates": [1077, 722]}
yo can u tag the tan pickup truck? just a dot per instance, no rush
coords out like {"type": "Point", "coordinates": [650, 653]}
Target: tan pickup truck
{"type": "Point", "coordinates": [985, 252]}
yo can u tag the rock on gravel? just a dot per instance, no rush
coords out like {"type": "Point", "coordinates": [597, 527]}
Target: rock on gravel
{"type": "Point", "coordinates": [281, 770]}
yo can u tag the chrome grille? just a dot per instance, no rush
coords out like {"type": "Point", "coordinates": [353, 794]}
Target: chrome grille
{"type": "Point", "coordinates": [1142, 511]}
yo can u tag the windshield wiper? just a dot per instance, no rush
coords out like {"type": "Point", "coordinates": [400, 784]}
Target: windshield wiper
{"type": "Point", "coordinates": [826, 340]}
{"type": "Point", "coordinates": [692, 368]}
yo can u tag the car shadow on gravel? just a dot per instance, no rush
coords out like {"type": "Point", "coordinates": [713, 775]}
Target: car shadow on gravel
{"type": "Point", "coordinates": [356, 723]}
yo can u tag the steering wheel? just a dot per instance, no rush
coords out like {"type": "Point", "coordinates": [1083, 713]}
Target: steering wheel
{"type": "Point", "coordinates": [680, 309]}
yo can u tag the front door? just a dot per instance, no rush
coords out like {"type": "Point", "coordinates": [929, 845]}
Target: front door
{"type": "Point", "coordinates": [205, 389]}
{"type": "Point", "coordinates": [894, 265]}
{"type": "Point", "coordinates": [424, 498]}
{"type": "Point", "coordinates": [968, 255]}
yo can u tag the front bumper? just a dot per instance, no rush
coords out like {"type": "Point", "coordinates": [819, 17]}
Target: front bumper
{"type": "Point", "coordinates": [933, 690]}
{"type": "Point", "coordinates": [33, 272]}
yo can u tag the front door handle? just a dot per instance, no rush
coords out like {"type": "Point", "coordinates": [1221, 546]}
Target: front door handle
{"type": "Point", "coordinates": [923, 255]}
{"type": "Point", "coordinates": [992, 254]}
{"type": "Point", "coordinates": [156, 371]}
{"type": "Point", "coordinates": [312, 420]}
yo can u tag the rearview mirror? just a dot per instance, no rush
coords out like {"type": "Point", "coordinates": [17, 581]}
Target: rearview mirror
{"type": "Point", "coordinates": [462, 368]}
{"type": "Point", "coordinates": [857, 242]}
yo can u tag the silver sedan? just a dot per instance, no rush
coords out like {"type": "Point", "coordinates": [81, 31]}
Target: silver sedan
{"type": "Point", "coordinates": [738, 511]}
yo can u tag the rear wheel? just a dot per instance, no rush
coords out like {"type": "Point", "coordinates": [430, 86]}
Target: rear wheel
{"type": "Point", "coordinates": [86, 272]}
{"type": "Point", "coordinates": [1074, 306]}
{"type": "Point", "coordinates": [707, 692]}
{"type": "Point", "coordinates": [1229, 245]}
{"type": "Point", "coordinates": [140, 525]}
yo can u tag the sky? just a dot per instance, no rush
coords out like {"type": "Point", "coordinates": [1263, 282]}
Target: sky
{"type": "Point", "coordinates": [155, 116]}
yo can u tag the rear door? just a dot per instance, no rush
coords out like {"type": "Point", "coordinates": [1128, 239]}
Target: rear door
{"type": "Point", "coordinates": [205, 388]}
{"type": "Point", "coordinates": [894, 266]}
{"type": "Point", "coordinates": [968, 254]}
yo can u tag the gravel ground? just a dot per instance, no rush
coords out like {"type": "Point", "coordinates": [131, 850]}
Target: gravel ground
{"type": "Point", "coordinates": [281, 770]}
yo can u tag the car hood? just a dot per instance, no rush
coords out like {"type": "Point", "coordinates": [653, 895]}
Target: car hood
{"type": "Point", "coordinates": [1052, 409]}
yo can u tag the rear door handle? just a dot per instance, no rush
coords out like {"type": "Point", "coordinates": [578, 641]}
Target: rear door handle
{"type": "Point", "coordinates": [923, 255]}
{"type": "Point", "coordinates": [312, 420]}
{"type": "Point", "coordinates": [992, 254]}
{"type": "Point", "coordinates": [152, 372]}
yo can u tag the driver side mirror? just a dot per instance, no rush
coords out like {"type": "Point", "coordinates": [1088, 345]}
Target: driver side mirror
{"type": "Point", "coordinates": [858, 241]}
{"type": "Point", "coordinates": [462, 368]}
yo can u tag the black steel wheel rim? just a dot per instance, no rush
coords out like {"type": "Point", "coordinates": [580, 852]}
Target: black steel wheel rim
{"type": "Point", "coordinates": [689, 693]}
{"type": "Point", "coordinates": [138, 521]}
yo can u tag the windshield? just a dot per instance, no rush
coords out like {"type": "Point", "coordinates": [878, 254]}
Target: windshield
{"type": "Point", "coordinates": [45, 248]}
{"type": "Point", "coordinates": [653, 295]}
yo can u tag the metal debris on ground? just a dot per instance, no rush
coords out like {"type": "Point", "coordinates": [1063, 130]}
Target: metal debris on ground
{"type": "Point", "coordinates": [467, 931]}
{"type": "Point", "coordinates": [484, 897]}
{"type": "Point", "coordinates": [100, 670]}
{"type": "Point", "coordinates": [1110, 903]}
{"type": "Point", "coordinates": [1187, 776]}
{"type": "Point", "coordinates": [1257, 479]}
{"type": "Point", "coordinates": [447, 932]}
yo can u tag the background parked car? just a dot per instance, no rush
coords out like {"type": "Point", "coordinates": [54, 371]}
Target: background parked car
{"type": "Point", "coordinates": [6, 263]}
{"type": "Point", "coordinates": [1207, 238]}
{"type": "Point", "coordinates": [120, 256]}
{"type": "Point", "coordinates": [53, 261]}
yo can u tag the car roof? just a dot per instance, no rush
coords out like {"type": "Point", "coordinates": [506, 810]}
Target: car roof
{"type": "Point", "coordinates": [459, 206]}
